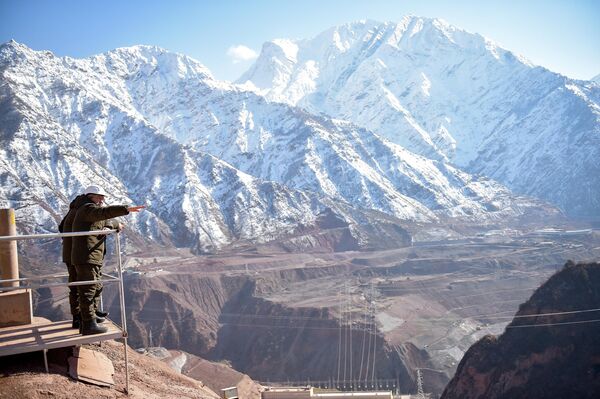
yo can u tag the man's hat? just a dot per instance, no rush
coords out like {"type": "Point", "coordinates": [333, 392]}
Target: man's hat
{"type": "Point", "coordinates": [95, 190]}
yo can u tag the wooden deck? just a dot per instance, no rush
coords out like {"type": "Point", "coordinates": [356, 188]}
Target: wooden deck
{"type": "Point", "coordinates": [43, 334]}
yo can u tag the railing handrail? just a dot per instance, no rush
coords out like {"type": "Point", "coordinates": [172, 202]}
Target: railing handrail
{"type": "Point", "coordinates": [56, 235]}
{"type": "Point", "coordinates": [118, 278]}
{"type": "Point", "coordinates": [111, 279]}
{"type": "Point", "coordinates": [46, 277]}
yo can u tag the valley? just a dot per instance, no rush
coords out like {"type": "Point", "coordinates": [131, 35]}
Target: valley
{"type": "Point", "coordinates": [345, 316]}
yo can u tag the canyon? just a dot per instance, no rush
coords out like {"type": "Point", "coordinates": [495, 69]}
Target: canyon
{"type": "Point", "coordinates": [351, 317]}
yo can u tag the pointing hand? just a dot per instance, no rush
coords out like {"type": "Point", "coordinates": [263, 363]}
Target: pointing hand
{"type": "Point", "coordinates": [136, 208]}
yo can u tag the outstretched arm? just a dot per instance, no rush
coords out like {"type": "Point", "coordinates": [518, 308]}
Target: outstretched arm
{"type": "Point", "coordinates": [94, 213]}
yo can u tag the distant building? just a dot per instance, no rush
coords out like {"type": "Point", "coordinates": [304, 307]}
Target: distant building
{"type": "Point", "coordinates": [308, 393]}
{"type": "Point", "coordinates": [287, 393]}
{"type": "Point", "coordinates": [229, 393]}
{"type": "Point", "coordinates": [358, 395]}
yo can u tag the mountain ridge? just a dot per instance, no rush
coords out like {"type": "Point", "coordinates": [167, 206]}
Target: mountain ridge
{"type": "Point", "coordinates": [121, 116]}
{"type": "Point", "coordinates": [448, 94]}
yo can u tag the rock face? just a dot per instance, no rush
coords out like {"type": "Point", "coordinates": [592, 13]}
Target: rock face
{"type": "Point", "coordinates": [553, 356]}
{"type": "Point", "coordinates": [216, 376]}
{"type": "Point", "coordinates": [447, 94]}
{"type": "Point", "coordinates": [214, 164]}
{"type": "Point", "coordinates": [227, 317]}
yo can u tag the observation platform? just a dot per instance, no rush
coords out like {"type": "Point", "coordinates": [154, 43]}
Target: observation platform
{"type": "Point", "coordinates": [44, 334]}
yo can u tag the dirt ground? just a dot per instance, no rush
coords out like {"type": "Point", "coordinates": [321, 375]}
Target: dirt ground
{"type": "Point", "coordinates": [23, 376]}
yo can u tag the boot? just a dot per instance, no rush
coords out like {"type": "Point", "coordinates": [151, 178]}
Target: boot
{"type": "Point", "coordinates": [100, 319]}
{"type": "Point", "coordinates": [101, 314]}
{"type": "Point", "coordinates": [76, 321]}
{"type": "Point", "coordinates": [90, 327]}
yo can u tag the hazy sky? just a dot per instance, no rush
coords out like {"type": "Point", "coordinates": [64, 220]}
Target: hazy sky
{"type": "Point", "coordinates": [562, 35]}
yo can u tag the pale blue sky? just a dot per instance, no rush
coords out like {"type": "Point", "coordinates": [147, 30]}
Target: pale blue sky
{"type": "Point", "coordinates": [562, 35]}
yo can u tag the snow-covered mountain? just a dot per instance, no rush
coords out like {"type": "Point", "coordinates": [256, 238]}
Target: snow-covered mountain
{"type": "Point", "coordinates": [214, 163]}
{"type": "Point", "coordinates": [447, 94]}
{"type": "Point", "coordinates": [278, 143]}
{"type": "Point", "coordinates": [66, 126]}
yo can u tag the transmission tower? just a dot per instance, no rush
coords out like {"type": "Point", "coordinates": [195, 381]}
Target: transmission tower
{"type": "Point", "coordinates": [420, 393]}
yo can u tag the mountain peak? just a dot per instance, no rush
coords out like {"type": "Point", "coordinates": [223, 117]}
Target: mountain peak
{"type": "Point", "coordinates": [13, 45]}
{"type": "Point", "coordinates": [410, 81]}
{"type": "Point", "coordinates": [13, 48]}
{"type": "Point", "coordinates": [13, 51]}
{"type": "Point", "coordinates": [156, 57]}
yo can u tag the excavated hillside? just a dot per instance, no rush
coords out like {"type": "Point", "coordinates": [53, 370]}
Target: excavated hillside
{"type": "Point", "coordinates": [555, 354]}
{"type": "Point", "coordinates": [225, 316]}
{"type": "Point", "coordinates": [220, 376]}
{"type": "Point", "coordinates": [216, 375]}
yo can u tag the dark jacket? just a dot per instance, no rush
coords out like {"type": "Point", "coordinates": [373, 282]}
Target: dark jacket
{"type": "Point", "coordinates": [91, 217]}
{"type": "Point", "coordinates": [66, 226]}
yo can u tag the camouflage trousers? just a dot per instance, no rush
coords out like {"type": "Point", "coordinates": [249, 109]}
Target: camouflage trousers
{"type": "Point", "coordinates": [89, 295]}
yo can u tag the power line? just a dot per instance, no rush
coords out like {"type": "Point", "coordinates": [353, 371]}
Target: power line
{"type": "Point", "coordinates": [413, 289]}
{"type": "Point", "coordinates": [424, 319]}
{"type": "Point", "coordinates": [555, 324]}
{"type": "Point", "coordinates": [369, 329]}
{"type": "Point", "coordinates": [374, 330]}
{"type": "Point", "coordinates": [374, 353]}
{"type": "Point", "coordinates": [340, 339]}
{"type": "Point", "coordinates": [362, 351]}
{"type": "Point", "coordinates": [369, 343]}
{"type": "Point", "coordinates": [345, 332]}
{"type": "Point", "coordinates": [350, 326]}
{"type": "Point", "coordinates": [559, 313]}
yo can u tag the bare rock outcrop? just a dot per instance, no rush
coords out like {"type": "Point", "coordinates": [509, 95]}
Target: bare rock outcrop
{"type": "Point", "coordinates": [551, 349]}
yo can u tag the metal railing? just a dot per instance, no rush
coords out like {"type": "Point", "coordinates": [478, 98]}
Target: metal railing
{"type": "Point", "coordinates": [30, 282]}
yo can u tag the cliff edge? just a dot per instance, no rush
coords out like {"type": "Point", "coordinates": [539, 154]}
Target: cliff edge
{"type": "Point", "coordinates": [551, 349]}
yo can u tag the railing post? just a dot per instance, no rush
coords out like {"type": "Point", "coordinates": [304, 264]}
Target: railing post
{"type": "Point", "coordinates": [15, 306]}
{"type": "Point", "coordinates": [122, 305]}
{"type": "Point", "coordinates": [8, 249]}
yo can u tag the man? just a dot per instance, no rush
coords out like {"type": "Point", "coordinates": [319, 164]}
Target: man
{"type": "Point", "coordinates": [65, 226]}
{"type": "Point", "coordinates": [87, 252]}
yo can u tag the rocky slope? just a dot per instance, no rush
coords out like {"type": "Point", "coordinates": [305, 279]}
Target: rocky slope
{"type": "Point", "coordinates": [216, 375]}
{"type": "Point", "coordinates": [548, 356]}
{"type": "Point", "coordinates": [448, 94]}
{"type": "Point", "coordinates": [226, 317]}
{"type": "Point", "coordinates": [24, 377]}
{"type": "Point", "coordinates": [300, 150]}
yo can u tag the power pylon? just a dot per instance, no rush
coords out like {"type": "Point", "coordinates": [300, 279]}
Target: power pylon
{"type": "Point", "coordinates": [420, 393]}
